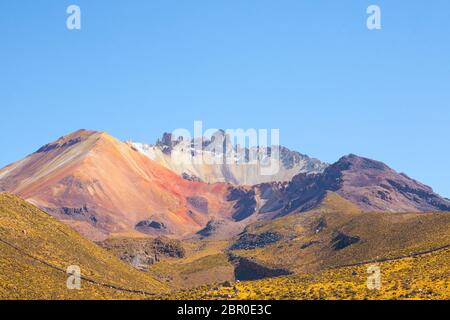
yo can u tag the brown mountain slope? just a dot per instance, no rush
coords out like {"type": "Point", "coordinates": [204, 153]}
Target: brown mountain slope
{"type": "Point", "coordinates": [36, 250]}
{"type": "Point", "coordinates": [101, 186]}
{"type": "Point", "coordinates": [370, 184]}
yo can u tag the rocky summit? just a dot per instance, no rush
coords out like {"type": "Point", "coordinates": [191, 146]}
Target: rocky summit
{"type": "Point", "coordinates": [198, 160]}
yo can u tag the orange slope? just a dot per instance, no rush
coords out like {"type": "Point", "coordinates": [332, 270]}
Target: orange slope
{"type": "Point", "coordinates": [102, 186]}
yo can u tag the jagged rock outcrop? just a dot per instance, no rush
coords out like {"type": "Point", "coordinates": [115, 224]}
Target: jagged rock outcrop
{"type": "Point", "coordinates": [249, 241]}
{"type": "Point", "coordinates": [141, 253]}
{"type": "Point", "coordinates": [198, 160]}
{"type": "Point", "coordinates": [211, 228]}
{"type": "Point", "coordinates": [245, 202]}
{"type": "Point", "coordinates": [149, 226]}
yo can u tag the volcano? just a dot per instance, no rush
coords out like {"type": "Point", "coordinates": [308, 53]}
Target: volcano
{"type": "Point", "coordinates": [102, 186]}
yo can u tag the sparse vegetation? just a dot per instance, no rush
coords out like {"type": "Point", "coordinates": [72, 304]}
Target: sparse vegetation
{"type": "Point", "coordinates": [422, 277]}
{"type": "Point", "coordinates": [205, 262]}
{"type": "Point", "coordinates": [310, 241]}
{"type": "Point", "coordinates": [36, 249]}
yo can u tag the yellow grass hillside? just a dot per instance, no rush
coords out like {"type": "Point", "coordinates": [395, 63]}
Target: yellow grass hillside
{"type": "Point", "coordinates": [36, 250]}
{"type": "Point", "coordinates": [422, 277]}
{"type": "Point", "coordinates": [337, 233]}
{"type": "Point", "coordinates": [205, 262]}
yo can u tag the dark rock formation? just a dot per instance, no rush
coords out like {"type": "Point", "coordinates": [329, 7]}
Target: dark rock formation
{"type": "Point", "coordinates": [199, 203]}
{"type": "Point", "coordinates": [211, 228]}
{"type": "Point", "coordinates": [75, 211]}
{"type": "Point", "coordinates": [245, 202]}
{"type": "Point", "coordinates": [249, 241]}
{"type": "Point", "coordinates": [319, 225]}
{"type": "Point", "coordinates": [147, 226]}
{"type": "Point", "coordinates": [189, 177]}
{"type": "Point", "coordinates": [309, 244]}
{"type": "Point", "coordinates": [52, 146]}
{"type": "Point", "coordinates": [341, 240]}
{"type": "Point", "coordinates": [141, 253]}
{"type": "Point", "coordinates": [167, 142]}
{"type": "Point", "coordinates": [80, 214]}
{"type": "Point", "coordinates": [247, 270]}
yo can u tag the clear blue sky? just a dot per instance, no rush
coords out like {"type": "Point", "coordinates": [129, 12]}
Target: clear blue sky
{"type": "Point", "coordinates": [310, 68]}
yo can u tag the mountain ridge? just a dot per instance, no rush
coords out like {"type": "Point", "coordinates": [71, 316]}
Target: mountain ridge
{"type": "Point", "coordinates": [182, 232]}
{"type": "Point", "coordinates": [370, 184]}
{"type": "Point", "coordinates": [100, 186]}
{"type": "Point", "coordinates": [196, 158]}
{"type": "Point", "coordinates": [104, 187]}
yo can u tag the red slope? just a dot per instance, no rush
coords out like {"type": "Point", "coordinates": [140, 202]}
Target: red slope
{"type": "Point", "coordinates": [101, 186]}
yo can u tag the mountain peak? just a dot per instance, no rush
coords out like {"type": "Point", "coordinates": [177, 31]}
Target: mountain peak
{"type": "Point", "coordinates": [100, 185]}
{"type": "Point", "coordinates": [67, 140]}
{"type": "Point", "coordinates": [357, 162]}
{"type": "Point", "coordinates": [81, 134]}
{"type": "Point", "coordinates": [377, 187]}
{"type": "Point", "coordinates": [218, 158]}
{"type": "Point", "coordinates": [370, 184]}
